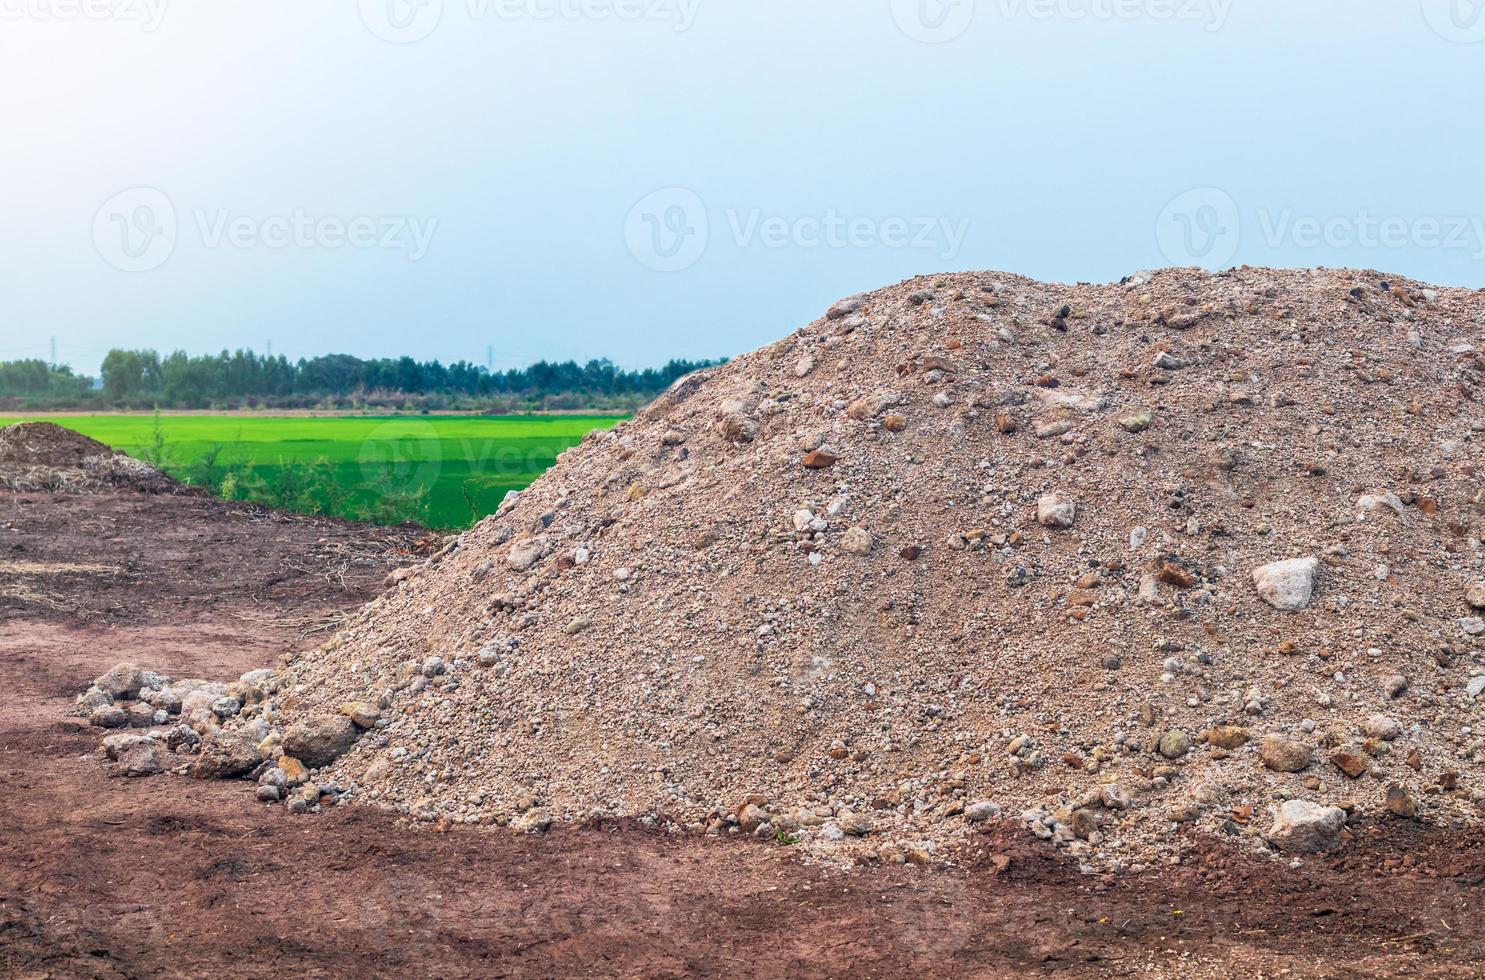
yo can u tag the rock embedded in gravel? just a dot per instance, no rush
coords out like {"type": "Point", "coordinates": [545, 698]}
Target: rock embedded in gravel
{"type": "Point", "coordinates": [319, 740]}
{"type": "Point", "coordinates": [1174, 744]}
{"type": "Point", "coordinates": [982, 811]}
{"type": "Point", "coordinates": [363, 714]}
{"type": "Point", "coordinates": [1285, 754]}
{"type": "Point", "coordinates": [1382, 727]}
{"type": "Point", "coordinates": [857, 541]}
{"type": "Point", "coordinates": [1475, 595]}
{"type": "Point", "coordinates": [1055, 511]}
{"type": "Point", "coordinates": [1287, 585]}
{"type": "Point", "coordinates": [819, 459]}
{"type": "Point", "coordinates": [1353, 764]}
{"type": "Point", "coordinates": [1227, 737]}
{"type": "Point", "coordinates": [1302, 827]}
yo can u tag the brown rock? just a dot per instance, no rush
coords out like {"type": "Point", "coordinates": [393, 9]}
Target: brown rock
{"type": "Point", "coordinates": [1353, 764]}
{"type": "Point", "coordinates": [1285, 754]}
{"type": "Point", "coordinates": [819, 459]}
{"type": "Point", "coordinates": [1400, 802]}
{"type": "Point", "coordinates": [225, 756]}
{"type": "Point", "coordinates": [319, 740]}
{"type": "Point", "coordinates": [363, 713]}
{"type": "Point", "coordinates": [1227, 737]}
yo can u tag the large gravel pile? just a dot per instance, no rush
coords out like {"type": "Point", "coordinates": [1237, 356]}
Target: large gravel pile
{"type": "Point", "coordinates": [1190, 549]}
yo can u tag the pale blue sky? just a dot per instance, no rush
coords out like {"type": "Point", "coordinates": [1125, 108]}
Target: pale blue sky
{"type": "Point", "coordinates": [695, 177]}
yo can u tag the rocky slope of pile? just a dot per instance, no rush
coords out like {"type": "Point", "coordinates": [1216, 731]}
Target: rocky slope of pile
{"type": "Point", "coordinates": [1188, 549]}
{"type": "Point", "coordinates": [36, 456]}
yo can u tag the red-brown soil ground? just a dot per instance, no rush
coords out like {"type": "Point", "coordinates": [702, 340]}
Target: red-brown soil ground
{"type": "Point", "coordinates": [112, 877]}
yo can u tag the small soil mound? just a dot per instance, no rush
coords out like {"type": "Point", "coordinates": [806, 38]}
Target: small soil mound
{"type": "Point", "coordinates": [968, 548]}
{"type": "Point", "coordinates": [37, 456]}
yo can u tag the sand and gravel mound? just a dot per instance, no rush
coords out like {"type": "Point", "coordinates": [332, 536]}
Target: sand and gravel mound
{"type": "Point", "coordinates": [1107, 560]}
{"type": "Point", "coordinates": [36, 456]}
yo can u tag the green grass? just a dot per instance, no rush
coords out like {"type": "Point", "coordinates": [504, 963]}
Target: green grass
{"type": "Point", "coordinates": [445, 471]}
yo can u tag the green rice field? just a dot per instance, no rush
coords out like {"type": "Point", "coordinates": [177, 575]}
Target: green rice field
{"type": "Point", "coordinates": [443, 471]}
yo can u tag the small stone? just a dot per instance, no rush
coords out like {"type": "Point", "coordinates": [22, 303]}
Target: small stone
{"type": "Point", "coordinates": [1114, 796]}
{"type": "Point", "coordinates": [1137, 422]}
{"type": "Point", "coordinates": [846, 307]}
{"type": "Point", "coordinates": [225, 756]}
{"type": "Point", "coordinates": [123, 681]}
{"type": "Point", "coordinates": [1473, 625]}
{"type": "Point", "coordinates": [1400, 802]}
{"type": "Point", "coordinates": [1375, 502]}
{"type": "Point", "coordinates": [855, 824]}
{"type": "Point", "coordinates": [1395, 685]}
{"type": "Point", "coordinates": [1287, 585]}
{"type": "Point", "coordinates": [1475, 595]}
{"type": "Point", "coordinates": [1055, 511]}
{"type": "Point", "coordinates": [1382, 727]}
{"type": "Point", "coordinates": [1302, 827]}
{"type": "Point", "coordinates": [1227, 737]}
{"type": "Point", "coordinates": [1285, 754]}
{"type": "Point", "coordinates": [819, 459]}
{"type": "Point", "coordinates": [1353, 764]}
{"type": "Point", "coordinates": [362, 713]}
{"type": "Point", "coordinates": [268, 793]}
{"type": "Point", "coordinates": [857, 541]}
{"type": "Point", "coordinates": [894, 422]}
{"type": "Point", "coordinates": [141, 759]}
{"type": "Point", "coordinates": [1174, 744]}
{"type": "Point", "coordinates": [109, 716]}
{"type": "Point", "coordinates": [804, 366]}
{"type": "Point", "coordinates": [319, 740]}
{"type": "Point", "coordinates": [577, 625]}
{"type": "Point", "coordinates": [116, 745]}
{"type": "Point", "coordinates": [981, 811]}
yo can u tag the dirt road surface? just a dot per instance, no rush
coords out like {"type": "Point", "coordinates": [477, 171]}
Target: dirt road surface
{"type": "Point", "coordinates": [111, 877]}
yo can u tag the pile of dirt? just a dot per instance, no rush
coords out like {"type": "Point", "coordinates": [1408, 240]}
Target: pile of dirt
{"type": "Point", "coordinates": [1189, 549]}
{"type": "Point", "coordinates": [42, 456]}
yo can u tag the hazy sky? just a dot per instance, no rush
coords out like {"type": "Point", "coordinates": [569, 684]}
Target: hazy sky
{"type": "Point", "coordinates": [642, 179]}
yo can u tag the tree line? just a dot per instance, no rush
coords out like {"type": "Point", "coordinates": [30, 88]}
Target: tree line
{"type": "Point", "coordinates": [144, 378]}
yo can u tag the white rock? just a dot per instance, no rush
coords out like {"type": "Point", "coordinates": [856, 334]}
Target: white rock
{"type": "Point", "coordinates": [1473, 625]}
{"type": "Point", "coordinates": [1381, 501]}
{"type": "Point", "coordinates": [1054, 510]}
{"type": "Point", "coordinates": [1302, 827]}
{"type": "Point", "coordinates": [1382, 727]}
{"type": "Point", "coordinates": [803, 519]}
{"type": "Point", "coordinates": [982, 811]}
{"type": "Point", "coordinates": [804, 366]}
{"type": "Point", "coordinates": [857, 541]}
{"type": "Point", "coordinates": [1287, 585]}
{"type": "Point", "coordinates": [1475, 687]}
